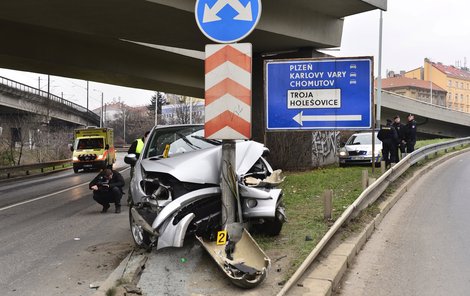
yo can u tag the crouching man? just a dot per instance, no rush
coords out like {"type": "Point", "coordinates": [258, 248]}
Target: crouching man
{"type": "Point", "coordinates": [107, 188]}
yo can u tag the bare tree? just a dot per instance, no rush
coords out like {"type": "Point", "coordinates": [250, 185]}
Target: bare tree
{"type": "Point", "coordinates": [188, 110]}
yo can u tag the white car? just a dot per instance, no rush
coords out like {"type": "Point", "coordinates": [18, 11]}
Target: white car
{"type": "Point", "coordinates": [358, 150]}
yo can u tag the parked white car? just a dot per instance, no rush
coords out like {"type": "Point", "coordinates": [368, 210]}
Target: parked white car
{"type": "Point", "coordinates": [358, 150]}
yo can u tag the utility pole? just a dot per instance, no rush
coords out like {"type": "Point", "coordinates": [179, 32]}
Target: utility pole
{"type": "Point", "coordinates": [156, 108]}
{"type": "Point", "coordinates": [87, 99]}
{"type": "Point", "coordinates": [430, 77]}
{"type": "Point", "coordinates": [102, 111]}
{"type": "Point", "coordinates": [379, 77]}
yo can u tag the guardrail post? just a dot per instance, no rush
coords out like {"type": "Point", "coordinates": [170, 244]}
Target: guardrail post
{"type": "Point", "coordinates": [382, 167]}
{"type": "Point", "coordinates": [371, 180]}
{"type": "Point", "coordinates": [365, 179]}
{"type": "Point", "coordinates": [327, 204]}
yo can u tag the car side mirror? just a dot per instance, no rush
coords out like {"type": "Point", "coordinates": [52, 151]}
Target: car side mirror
{"type": "Point", "coordinates": [71, 147]}
{"type": "Point", "coordinates": [130, 159]}
{"type": "Point", "coordinates": [106, 147]}
{"type": "Point", "coordinates": [342, 144]}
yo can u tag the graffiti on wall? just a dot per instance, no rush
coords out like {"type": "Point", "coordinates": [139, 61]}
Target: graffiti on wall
{"type": "Point", "coordinates": [324, 147]}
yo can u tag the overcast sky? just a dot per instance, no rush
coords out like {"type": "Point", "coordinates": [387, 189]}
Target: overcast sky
{"type": "Point", "coordinates": [412, 30]}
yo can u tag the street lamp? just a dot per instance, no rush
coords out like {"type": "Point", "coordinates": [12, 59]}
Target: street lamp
{"type": "Point", "coordinates": [101, 110]}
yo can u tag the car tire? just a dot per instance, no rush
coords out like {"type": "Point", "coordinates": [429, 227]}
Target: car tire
{"type": "Point", "coordinates": [139, 235]}
{"type": "Point", "coordinates": [75, 170]}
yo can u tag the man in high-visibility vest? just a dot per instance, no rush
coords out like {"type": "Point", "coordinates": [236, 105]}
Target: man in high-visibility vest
{"type": "Point", "coordinates": [136, 148]}
{"type": "Point", "coordinates": [138, 145]}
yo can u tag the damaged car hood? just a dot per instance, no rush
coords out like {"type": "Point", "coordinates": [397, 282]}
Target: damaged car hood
{"type": "Point", "coordinates": [204, 166]}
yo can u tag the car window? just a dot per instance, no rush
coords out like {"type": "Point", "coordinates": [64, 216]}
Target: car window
{"type": "Point", "coordinates": [89, 143]}
{"type": "Point", "coordinates": [180, 139]}
{"type": "Point", "coordinates": [362, 139]}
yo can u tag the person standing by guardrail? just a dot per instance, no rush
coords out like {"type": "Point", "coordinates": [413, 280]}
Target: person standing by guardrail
{"type": "Point", "coordinates": [410, 134]}
{"type": "Point", "coordinates": [389, 137]}
{"type": "Point", "coordinates": [400, 128]}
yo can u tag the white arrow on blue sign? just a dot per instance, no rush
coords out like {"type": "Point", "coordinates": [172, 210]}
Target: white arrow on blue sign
{"type": "Point", "coordinates": [227, 21]}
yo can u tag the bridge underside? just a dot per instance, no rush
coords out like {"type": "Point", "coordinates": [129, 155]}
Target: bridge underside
{"type": "Point", "coordinates": [120, 41]}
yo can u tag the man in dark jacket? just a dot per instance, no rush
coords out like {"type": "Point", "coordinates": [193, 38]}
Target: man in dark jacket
{"type": "Point", "coordinates": [401, 130]}
{"type": "Point", "coordinates": [410, 134]}
{"type": "Point", "coordinates": [107, 188]}
{"type": "Point", "coordinates": [389, 137]}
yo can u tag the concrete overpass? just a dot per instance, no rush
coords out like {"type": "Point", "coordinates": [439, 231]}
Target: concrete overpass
{"type": "Point", "coordinates": [125, 42]}
{"type": "Point", "coordinates": [434, 121]}
{"type": "Point", "coordinates": [17, 98]}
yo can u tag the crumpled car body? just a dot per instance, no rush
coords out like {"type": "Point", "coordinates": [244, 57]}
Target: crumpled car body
{"type": "Point", "coordinates": [176, 188]}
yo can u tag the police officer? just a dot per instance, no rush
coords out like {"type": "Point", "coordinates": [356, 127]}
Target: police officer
{"type": "Point", "coordinates": [389, 137]}
{"type": "Point", "coordinates": [410, 134]}
{"type": "Point", "coordinates": [401, 130]}
{"type": "Point", "coordinates": [107, 188]}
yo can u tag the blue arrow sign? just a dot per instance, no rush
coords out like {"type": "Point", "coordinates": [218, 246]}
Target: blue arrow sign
{"type": "Point", "coordinates": [319, 94]}
{"type": "Point", "coordinates": [227, 21]}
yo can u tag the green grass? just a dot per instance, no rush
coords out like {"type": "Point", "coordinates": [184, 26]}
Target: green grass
{"type": "Point", "coordinates": [423, 143]}
{"type": "Point", "coordinates": [304, 208]}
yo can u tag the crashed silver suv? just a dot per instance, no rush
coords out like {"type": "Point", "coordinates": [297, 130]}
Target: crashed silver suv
{"type": "Point", "coordinates": [176, 187]}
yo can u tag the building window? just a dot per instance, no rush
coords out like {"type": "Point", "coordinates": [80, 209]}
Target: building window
{"type": "Point", "coordinates": [456, 84]}
{"type": "Point", "coordinates": [461, 98]}
{"type": "Point", "coordinates": [461, 84]}
{"type": "Point", "coordinates": [450, 83]}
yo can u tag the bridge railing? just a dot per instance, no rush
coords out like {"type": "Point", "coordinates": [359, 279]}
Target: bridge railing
{"type": "Point", "coordinates": [12, 86]}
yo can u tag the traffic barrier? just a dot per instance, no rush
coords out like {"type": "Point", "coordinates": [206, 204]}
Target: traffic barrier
{"type": "Point", "coordinates": [9, 170]}
{"type": "Point", "coordinates": [369, 196]}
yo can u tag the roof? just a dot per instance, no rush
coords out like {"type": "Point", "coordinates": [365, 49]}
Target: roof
{"type": "Point", "coordinates": [397, 82]}
{"type": "Point", "coordinates": [452, 71]}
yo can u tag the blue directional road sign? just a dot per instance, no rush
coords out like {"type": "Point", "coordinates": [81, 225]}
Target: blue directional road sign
{"type": "Point", "coordinates": [227, 21]}
{"type": "Point", "coordinates": [319, 94]}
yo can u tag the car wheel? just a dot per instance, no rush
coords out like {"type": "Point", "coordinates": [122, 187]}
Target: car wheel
{"type": "Point", "coordinates": [273, 227]}
{"type": "Point", "coordinates": [139, 235]}
{"type": "Point", "coordinates": [75, 170]}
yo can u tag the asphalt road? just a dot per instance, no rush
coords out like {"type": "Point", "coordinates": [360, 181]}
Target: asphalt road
{"type": "Point", "coordinates": [53, 238]}
{"type": "Point", "coordinates": [422, 246]}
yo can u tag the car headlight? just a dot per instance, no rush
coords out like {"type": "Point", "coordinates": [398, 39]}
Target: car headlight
{"type": "Point", "coordinates": [100, 157]}
{"type": "Point", "coordinates": [75, 158]}
{"type": "Point", "coordinates": [343, 153]}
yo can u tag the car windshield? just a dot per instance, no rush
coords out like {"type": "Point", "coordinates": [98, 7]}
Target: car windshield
{"type": "Point", "coordinates": [89, 143]}
{"type": "Point", "coordinates": [362, 139]}
{"type": "Point", "coordinates": [180, 139]}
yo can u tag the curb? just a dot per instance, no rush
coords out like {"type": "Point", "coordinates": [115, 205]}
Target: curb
{"type": "Point", "coordinates": [326, 272]}
{"type": "Point", "coordinates": [128, 272]}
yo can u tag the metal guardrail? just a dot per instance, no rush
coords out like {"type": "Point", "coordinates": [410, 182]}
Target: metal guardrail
{"type": "Point", "coordinates": [14, 87]}
{"type": "Point", "coordinates": [9, 170]}
{"type": "Point", "coordinates": [369, 196]}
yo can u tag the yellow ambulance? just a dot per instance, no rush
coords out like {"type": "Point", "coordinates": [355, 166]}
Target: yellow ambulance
{"type": "Point", "coordinates": [93, 148]}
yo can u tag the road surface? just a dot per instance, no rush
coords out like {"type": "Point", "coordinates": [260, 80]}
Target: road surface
{"type": "Point", "coordinates": [422, 246]}
{"type": "Point", "coordinates": [53, 238]}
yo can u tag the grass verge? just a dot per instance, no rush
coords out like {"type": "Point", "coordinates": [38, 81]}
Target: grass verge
{"type": "Point", "coordinates": [304, 206]}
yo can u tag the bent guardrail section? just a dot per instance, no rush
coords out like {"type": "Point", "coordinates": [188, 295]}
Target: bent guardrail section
{"type": "Point", "coordinates": [9, 170]}
{"type": "Point", "coordinates": [369, 196]}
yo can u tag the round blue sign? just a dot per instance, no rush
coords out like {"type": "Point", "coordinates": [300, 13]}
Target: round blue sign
{"type": "Point", "coordinates": [227, 21]}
